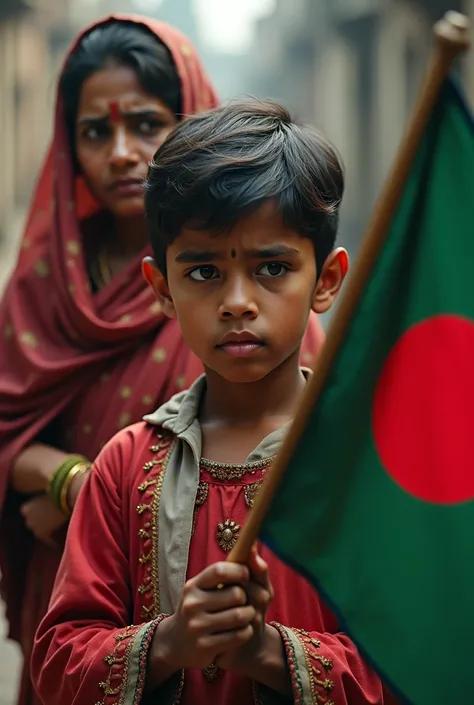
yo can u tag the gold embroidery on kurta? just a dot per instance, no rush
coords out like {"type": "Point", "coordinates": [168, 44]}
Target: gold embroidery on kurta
{"type": "Point", "coordinates": [229, 471]}
{"type": "Point", "coordinates": [251, 491]}
{"type": "Point", "coordinates": [122, 658]}
{"type": "Point", "coordinates": [212, 672]}
{"type": "Point", "coordinates": [150, 464]}
{"type": "Point", "coordinates": [227, 534]}
{"type": "Point", "coordinates": [149, 532]}
{"type": "Point", "coordinates": [316, 675]}
{"type": "Point", "coordinates": [201, 496]}
{"type": "Point", "coordinates": [146, 484]}
{"type": "Point", "coordinates": [119, 656]}
{"type": "Point", "coordinates": [202, 493]}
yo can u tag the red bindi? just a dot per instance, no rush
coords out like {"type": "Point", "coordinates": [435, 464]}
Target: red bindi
{"type": "Point", "coordinates": [114, 112]}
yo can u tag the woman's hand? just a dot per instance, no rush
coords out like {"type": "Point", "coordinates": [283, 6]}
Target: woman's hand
{"type": "Point", "coordinates": [32, 469]}
{"type": "Point", "coordinates": [43, 518]}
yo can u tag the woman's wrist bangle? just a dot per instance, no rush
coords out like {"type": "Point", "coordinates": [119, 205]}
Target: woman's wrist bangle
{"type": "Point", "coordinates": [79, 469]}
{"type": "Point", "coordinates": [60, 474]}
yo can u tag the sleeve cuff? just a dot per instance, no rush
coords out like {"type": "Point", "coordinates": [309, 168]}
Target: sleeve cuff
{"type": "Point", "coordinates": [125, 682]}
{"type": "Point", "coordinates": [308, 669]}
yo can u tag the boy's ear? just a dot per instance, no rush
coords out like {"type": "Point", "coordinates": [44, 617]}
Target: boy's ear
{"type": "Point", "coordinates": [159, 285]}
{"type": "Point", "coordinates": [330, 280]}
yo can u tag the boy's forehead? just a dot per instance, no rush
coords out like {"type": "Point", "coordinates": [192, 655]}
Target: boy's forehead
{"type": "Point", "coordinates": [254, 231]}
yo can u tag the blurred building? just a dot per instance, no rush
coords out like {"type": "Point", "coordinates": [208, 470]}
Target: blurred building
{"type": "Point", "coordinates": [32, 36]}
{"type": "Point", "coordinates": [353, 67]}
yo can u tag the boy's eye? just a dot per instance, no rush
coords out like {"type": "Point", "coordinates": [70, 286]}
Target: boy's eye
{"type": "Point", "coordinates": [204, 273]}
{"type": "Point", "coordinates": [273, 269]}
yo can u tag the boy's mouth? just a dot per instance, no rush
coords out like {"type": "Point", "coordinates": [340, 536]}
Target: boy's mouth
{"type": "Point", "coordinates": [240, 343]}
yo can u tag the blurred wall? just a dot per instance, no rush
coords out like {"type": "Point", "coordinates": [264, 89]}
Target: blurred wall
{"type": "Point", "coordinates": [354, 68]}
{"type": "Point", "coordinates": [31, 40]}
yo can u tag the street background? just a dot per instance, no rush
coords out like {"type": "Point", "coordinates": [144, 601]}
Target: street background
{"type": "Point", "coordinates": [351, 67]}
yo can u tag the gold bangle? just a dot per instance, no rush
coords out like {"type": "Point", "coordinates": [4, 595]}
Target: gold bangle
{"type": "Point", "coordinates": [79, 468]}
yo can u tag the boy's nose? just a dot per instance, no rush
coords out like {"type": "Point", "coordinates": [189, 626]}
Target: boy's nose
{"type": "Point", "coordinates": [238, 302]}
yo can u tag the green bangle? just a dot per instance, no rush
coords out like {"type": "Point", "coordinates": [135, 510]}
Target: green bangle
{"type": "Point", "coordinates": [60, 475]}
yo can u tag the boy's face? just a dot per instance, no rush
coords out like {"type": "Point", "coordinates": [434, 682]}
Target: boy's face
{"type": "Point", "coordinates": [243, 299]}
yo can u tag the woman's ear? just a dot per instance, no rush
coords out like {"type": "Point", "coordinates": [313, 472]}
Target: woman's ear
{"type": "Point", "coordinates": [158, 283]}
{"type": "Point", "coordinates": [330, 280]}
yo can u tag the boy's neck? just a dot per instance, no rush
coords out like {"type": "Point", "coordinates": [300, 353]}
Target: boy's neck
{"type": "Point", "coordinates": [277, 395]}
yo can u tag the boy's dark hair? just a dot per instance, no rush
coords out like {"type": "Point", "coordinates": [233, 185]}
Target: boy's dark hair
{"type": "Point", "coordinates": [217, 166]}
{"type": "Point", "coordinates": [127, 44]}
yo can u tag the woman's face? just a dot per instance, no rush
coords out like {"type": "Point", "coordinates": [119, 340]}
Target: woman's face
{"type": "Point", "coordinates": [119, 127]}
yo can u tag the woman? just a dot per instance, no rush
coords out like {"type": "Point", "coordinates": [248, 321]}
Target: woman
{"type": "Point", "coordinates": [85, 348]}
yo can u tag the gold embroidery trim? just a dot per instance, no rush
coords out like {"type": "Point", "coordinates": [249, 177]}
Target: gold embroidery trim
{"type": "Point", "coordinates": [229, 471]}
{"type": "Point", "coordinates": [149, 531]}
{"type": "Point", "coordinates": [201, 496]}
{"type": "Point", "coordinates": [202, 493]}
{"type": "Point", "coordinates": [315, 673]}
{"type": "Point", "coordinates": [251, 491]}
{"type": "Point", "coordinates": [117, 659]}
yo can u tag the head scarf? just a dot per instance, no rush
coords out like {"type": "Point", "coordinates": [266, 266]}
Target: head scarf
{"type": "Point", "coordinates": [58, 339]}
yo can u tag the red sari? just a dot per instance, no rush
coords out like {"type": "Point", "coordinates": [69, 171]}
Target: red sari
{"type": "Point", "coordinates": [160, 516]}
{"type": "Point", "coordinates": [76, 366]}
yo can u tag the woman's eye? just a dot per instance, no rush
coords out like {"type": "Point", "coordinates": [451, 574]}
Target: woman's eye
{"type": "Point", "coordinates": [205, 273]}
{"type": "Point", "coordinates": [94, 133]}
{"type": "Point", "coordinates": [148, 127]}
{"type": "Point", "coordinates": [273, 269]}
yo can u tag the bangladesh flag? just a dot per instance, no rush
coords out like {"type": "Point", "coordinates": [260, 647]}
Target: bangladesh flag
{"type": "Point", "coordinates": [376, 507]}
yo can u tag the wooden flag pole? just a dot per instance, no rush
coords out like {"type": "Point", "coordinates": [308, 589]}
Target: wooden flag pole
{"type": "Point", "coordinates": [451, 34]}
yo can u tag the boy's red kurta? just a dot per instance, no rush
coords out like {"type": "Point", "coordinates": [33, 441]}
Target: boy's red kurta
{"type": "Point", "coordinates": [130, 547]}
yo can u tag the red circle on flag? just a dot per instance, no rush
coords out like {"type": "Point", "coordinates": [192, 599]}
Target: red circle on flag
{"type": "Point", "coordinates": [423, 411]}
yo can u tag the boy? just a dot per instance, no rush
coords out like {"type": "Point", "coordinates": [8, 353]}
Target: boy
{"type": "Point", "coordinates": [243, 211]}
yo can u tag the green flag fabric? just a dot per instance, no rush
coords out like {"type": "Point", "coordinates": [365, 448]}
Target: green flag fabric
{"type": "Point", "coordinates": [376, 507]}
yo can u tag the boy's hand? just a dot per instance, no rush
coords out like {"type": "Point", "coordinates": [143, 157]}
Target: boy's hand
{"type": "Point", "coordinates": [207, 622]}
{"type": "Point", "coordinates": [261, 658]}
{"type": "Point", "coordinates": [260, 594]}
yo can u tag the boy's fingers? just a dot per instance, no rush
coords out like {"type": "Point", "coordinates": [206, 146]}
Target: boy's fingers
{"type": "Point", "coordinates": [230, 620]}
{"type": "Point", "coordinates": [258, 595]}
{"type": "Point", "coordinates": [222, 574]}
{"type": "Point", "coordinates": [257, 565]}
{"type": "Point", "coordinates": [226, 598]}
{"type": "Point", "coordinates": [226, 641]}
